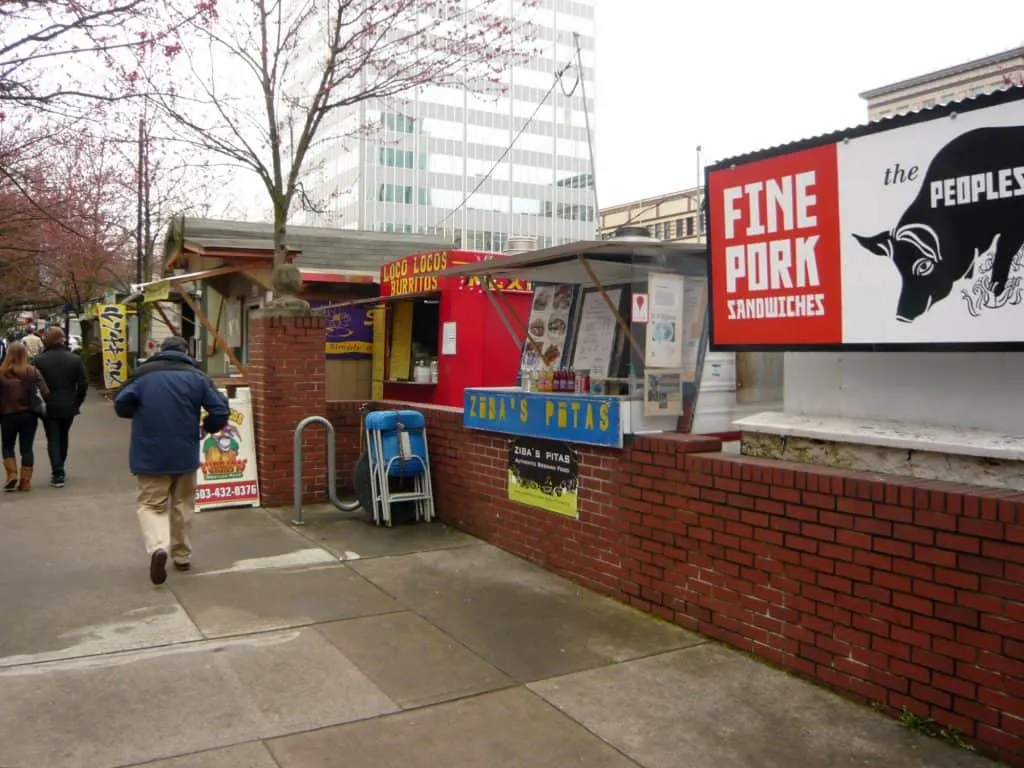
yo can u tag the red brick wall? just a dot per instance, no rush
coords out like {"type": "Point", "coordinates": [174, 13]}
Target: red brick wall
{"type": "Point", "coordinates": [345, 416]}
{"type": "Point", "coordinates": [286, 374]}
{"type": "Point", "coordinates": [902, 592]}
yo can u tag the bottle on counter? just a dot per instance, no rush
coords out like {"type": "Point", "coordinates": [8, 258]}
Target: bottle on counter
{"type": "Point", "coordinates": [525, 382]}
{"type": "Point", "coordinates": [582, 382]}
{"type": "Point", "coordinates": [570, 383]}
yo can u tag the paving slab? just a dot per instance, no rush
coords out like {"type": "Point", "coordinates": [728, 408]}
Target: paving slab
{"type": "Point", "coordinates": [527, 622]}
{"type": "Point", "coordinates": [131, 707]}
{"type": "Point", "coordinates": [232, 603]}
{"type": "Point", "coordinates": [351, 535]}
{"type": "Point", "coordinates": [507, 729]}
{"type": "Point", "coordinates": [248, 538]}
{"type": "Point", "coordinates": [251, 755]}
{"type": "Point", "coordinates": [43, 625]}
{"type": "Point", "coordinates": [709, 706]}
{"type": "Point", "coordinates": [412, 661]}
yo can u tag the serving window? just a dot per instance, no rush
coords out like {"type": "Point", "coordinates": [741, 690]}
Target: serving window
{"type": "Point", "coordinates": [413, 339]}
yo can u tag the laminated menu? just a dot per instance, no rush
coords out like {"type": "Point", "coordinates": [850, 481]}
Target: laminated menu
{"type": "Point", "coordinates": [548, 326]}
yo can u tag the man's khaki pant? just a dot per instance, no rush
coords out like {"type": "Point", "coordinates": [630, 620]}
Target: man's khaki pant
{"type": "Point", "coordinates": [166, 506]}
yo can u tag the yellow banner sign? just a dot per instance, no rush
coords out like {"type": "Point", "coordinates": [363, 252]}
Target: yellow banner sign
{"type": "Point", "coordinates": [114, 344]}
{"type": "Point", "coordinates": [156, 292]}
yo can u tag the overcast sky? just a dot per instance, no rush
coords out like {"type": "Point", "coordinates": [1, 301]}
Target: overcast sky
{"type": "Point", "coordinates": [740, 75]}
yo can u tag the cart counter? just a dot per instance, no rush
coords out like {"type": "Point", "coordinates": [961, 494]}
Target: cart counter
{"type": "Point", "coordinates": [601, 420]}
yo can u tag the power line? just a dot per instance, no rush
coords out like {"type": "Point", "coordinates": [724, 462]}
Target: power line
{"type": "Point", "coordinates": [493, 168]}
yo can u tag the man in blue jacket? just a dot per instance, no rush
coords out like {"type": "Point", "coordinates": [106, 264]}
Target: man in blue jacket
{"type": "Point", "coordinates": [164, 398]}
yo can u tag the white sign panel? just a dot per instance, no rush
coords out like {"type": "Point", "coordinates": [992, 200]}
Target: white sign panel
{"type": "Point", "coordinates": [595, 336]}
{"type": "Point", "coordinates": [641, 308]}
{"type": "Point", "coordinates": [665, 327]}
{"type": "Point", "coordinates": [910, 236]}
{"type": "Point", "coordinates": [228, 474]}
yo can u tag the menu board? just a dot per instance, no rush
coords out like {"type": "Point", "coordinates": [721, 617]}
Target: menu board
{"type": "Point", "coordinates": [548, 326]}
{"type": "Point", "coordinates": [595, 338]}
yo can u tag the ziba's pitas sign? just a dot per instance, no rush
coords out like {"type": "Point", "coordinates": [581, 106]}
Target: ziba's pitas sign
{"type": "Point", "coordinates": [899, 237]}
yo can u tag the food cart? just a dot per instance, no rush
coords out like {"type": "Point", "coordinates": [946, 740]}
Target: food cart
{"type": "Point", "coordinates": [615, 342]}
{"type": "Point", "coordinates": [434, 336]}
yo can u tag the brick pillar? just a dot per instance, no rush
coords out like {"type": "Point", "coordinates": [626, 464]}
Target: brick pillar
{"type": "Point", "coordinates": [287, 377]}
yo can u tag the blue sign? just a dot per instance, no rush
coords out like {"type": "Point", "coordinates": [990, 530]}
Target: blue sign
{"type": "Point", "coordinates": [588, 419]}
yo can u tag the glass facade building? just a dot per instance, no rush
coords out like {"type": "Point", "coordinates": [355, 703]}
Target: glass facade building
{"type": "Point", "coordinates": [438, 160]}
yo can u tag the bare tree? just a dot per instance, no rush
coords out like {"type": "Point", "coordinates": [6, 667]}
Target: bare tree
{"type": "Point", "coordinates": [258, 85]}
{"type": "Point", "coordinates": [57, 51]}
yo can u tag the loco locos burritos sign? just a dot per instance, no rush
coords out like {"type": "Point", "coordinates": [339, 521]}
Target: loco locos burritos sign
{"type": "Point", "coordinates": [901, 234]}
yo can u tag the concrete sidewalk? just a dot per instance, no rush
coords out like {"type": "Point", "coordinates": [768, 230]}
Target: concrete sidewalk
{"type": "Point", "coordinates": [343, 644]}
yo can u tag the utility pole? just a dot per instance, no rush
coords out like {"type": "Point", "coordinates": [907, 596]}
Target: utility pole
{"type": "Point", "coordinates": [139, 236]}
{"type": "Point", "coordinates": [700, 198]}
{"type": "Point", "coordinates": [586, 119]}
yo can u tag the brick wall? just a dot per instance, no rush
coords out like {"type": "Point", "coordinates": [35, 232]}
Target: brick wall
{"type": "Point", "coordinates": [286, 375]}
{"type": "Point", "coordinates": [345, 416]}
{"type": "Point", "coordinates": [901, 592]}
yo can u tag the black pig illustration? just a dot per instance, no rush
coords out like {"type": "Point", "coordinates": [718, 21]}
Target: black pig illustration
{"type": "Point", "coordinates": [971, 201]}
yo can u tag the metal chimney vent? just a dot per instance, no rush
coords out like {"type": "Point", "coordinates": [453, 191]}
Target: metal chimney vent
{"type": "Point", "coordinates": [633, 233]}
{"type": "Point", "coordinates": [520, 244]}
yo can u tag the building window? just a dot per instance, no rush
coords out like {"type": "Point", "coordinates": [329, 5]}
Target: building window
{"type": "Point", "coordinates": [394, 158]}
{"type": "Point", "coordinates": [394, 193]}
{"type": "Point", "coordinates": [679, 227]}
{"type": "Point", "coordinates": [398, 123]}
{"type": "Point", "coordinates": [689, 226]}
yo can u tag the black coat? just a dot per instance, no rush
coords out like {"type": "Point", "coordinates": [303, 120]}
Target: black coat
{"type": "Point", "coordinates": [64, 373]}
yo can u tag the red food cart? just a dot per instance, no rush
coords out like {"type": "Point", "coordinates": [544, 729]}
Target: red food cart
{"type": "Point", "coordinates": [434, 337]}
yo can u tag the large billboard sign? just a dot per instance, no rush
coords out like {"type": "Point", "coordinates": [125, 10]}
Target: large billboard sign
{"type": "Point", "coordinates": [899, 235]}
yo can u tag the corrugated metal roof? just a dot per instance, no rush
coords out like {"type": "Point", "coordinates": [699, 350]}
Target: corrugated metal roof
{"type": "Point", "coordinates": [941, 74]}
{"type": "Point", "coordinates": [318, 247]}
{"type": "Point", "coordinates": [1010, 93]}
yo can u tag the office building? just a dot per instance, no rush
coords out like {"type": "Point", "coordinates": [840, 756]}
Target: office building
{"type": "Point", "coordinates": [675, 216]}
{"type": "Point", "coordinates": [435, 160]}
{"type": "Point", "coordinates": [950, 84]}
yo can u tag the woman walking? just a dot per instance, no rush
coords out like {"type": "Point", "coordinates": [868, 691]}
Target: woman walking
{"type": "Point", "coordinates": [18, 423]}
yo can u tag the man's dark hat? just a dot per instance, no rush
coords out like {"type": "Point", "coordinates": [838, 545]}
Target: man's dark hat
{"type": "Point", "coordinates": [174, 344]}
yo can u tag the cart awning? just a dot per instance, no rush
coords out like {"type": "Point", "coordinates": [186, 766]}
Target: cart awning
{"type": "Point", "coordinates": [613, 262]}
{"type": "Point", "coordinates": [345, 276]}
{"type": "Point", "coordinates": [380, 300]}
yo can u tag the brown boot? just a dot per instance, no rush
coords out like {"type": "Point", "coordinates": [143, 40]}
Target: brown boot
{"type": "Point", "coordinates": [26, 479]}
{"type": "Point", "coordinates": [11, 467]}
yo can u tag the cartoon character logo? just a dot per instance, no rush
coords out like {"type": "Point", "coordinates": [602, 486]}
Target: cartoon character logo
{"type": "Point", "coordinates": [339, 323]}
{"type": "Point", "coordinates": [220, 454]}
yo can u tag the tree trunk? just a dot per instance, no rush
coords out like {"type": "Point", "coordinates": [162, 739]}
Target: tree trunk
{"type": "Point", "coordinates": [287, 279]}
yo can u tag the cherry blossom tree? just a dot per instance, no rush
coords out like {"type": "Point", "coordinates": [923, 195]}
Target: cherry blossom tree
{"type": "Point", "coordinates": [260, 84]}
{"type": "Point", "coordinates": [68, 212]}
{"type": "Point", "coordinates": [58, 51]}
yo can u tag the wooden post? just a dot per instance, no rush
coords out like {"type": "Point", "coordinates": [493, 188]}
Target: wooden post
{"type": "Point", "coordinates": [213, 331]}
{"type": "Point", "coordinates": [496, 293]}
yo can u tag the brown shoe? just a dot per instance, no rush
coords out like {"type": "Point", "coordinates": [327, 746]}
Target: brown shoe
{"type": "Point", "coordinates": [26, 479]}
{"type": "Point", "coordinates": [158, 567]}
{"type": "Point", "coordinates": [183, 566]}
{"type": "Point", "coordinates": [11, 468]}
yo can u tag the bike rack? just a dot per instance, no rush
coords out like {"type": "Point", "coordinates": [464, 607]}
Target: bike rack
{"type": "Point", "coordinates": [332, 469]}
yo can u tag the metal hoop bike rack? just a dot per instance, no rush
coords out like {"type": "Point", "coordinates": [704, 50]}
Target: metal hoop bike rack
{"type": "Point", "coordinates": [332, 468]}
